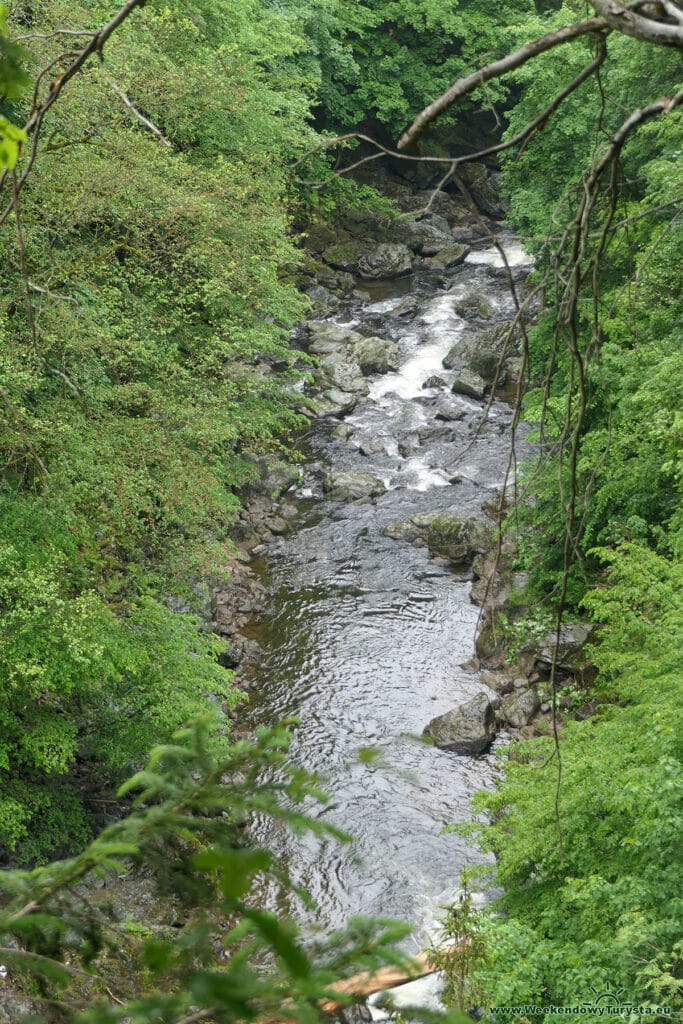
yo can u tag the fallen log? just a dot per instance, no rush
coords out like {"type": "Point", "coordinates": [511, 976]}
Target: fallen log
{"type": "Point", "coordinates": [368, 982]}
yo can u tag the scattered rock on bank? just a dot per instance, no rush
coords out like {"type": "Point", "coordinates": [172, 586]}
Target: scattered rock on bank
{"type": "Point", "coordinates": [469, 729]}
{"type": "Point", "coordinates": [519, 707]}
{"type": "Point", "coordinates": [352, 486]}
{"type": "Point", "coordinates": [571, 654]}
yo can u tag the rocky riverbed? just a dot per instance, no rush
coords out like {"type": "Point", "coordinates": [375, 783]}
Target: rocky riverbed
{"type": "Point", "coordinates": [372, 565]}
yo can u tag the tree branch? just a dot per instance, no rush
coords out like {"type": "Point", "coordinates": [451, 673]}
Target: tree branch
{"type": "Point", "coordinates": [648, 30]}
{"type": "Point", "coordinates": [33, 125]}
{"type": "Point", "coordinates": [466, 85]}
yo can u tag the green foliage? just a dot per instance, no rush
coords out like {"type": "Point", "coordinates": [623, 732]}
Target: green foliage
{"type": "Point", "coordinates": [142, 308]}
{"type": "Point", "coordinates": [61, 939]}
{"type": "Point", "coordinates": [599, 903]}
{"type": "Point", "coordinates": [461, 954]}
{"type": "Point", "coordinates": [381, 61]}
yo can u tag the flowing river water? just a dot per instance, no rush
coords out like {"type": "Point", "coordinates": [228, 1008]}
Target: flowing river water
{"type": "Point", "coordinates": [367, 638]}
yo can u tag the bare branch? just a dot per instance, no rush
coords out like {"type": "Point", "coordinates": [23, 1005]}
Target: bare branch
{"type": "Point", "coordinates": [466, 85]}
{"type": "Point", "coordinates": [136, 113]}
{"type": "Point", "coordinates": [51, 295]}
{"type": "Point", "coordinates": [648, 30]}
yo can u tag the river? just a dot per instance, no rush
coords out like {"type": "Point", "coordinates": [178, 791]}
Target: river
{"type": "Point", "coordinates": [367, 638]}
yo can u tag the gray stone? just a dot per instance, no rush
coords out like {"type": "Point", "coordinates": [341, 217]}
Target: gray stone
{"type": "Point", "coordinates": [474, 307]}
{"type": "Point", "coordinates": [375, 355]}
{"type": "Point", "coordinates": [519, 708]}
{"type": "Point", "coordinates": [343, 432]}
{"type": "Point", "coordinates": [452, 255]}
{"type": "Point", "coordinates": [344, 486]}
{"type": "Point", "coordinates": [345, 254]}
{"type": "Point", "coordinates": [446, 535]}
{"type": "Point", "coordinates": [571, 656]}
{"type": "Point", "coordinates": [434, 382]}
{"type": "Point", "coordinates": [387, 260]}
{"type": "Point", "coordinates": [469, 729]}
{"type": "Point", "coordinates": [436, 433]}
{"type": "Point", "coordinates": [485, 365]}
{"type": "Point", "coordinates": [456, 353]}
{"type": "Point", "coordinates": [327, 337]}
{"type": "Point", "coordinates": [408, 445]}
{"type": "Point", "coordinates": [323, 301]}
{"type": "Point", "coordinates": [406, 307]}
{"type": "Point", "coordinates": [336, 372]}
{"type": "Point", "coordinates": [425, 234]}
{"type": "Point", "coordinates": [469, 383]}
{"type": "Point", "coordinates": [372, 446]}
{"type": "Point", "coordinates": [334, 402]}
{"type": "Point", "coordinates": [450, 408]}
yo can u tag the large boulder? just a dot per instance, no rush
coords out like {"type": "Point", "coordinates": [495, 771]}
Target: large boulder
{"type": "Point", "coordinates": [474, 306]}
{"type": "Point", "coordinates": [385, 261]}
{"type": "Point", "coordinates": [344, 486]}
{"type": "Point", "coordinates": [485, 364]}
{"type": "Point", "coordinates": [375, 355]}
{"type": "Point", "coordinates": [456, 353]}
{"type": "Point", "coordinates": [469, 729]}
{"type": "Point", "coordinates": [484, 186]}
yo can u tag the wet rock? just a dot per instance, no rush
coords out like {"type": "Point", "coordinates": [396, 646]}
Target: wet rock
{"type": "Point", "coordinates": [450, 408]}
{"type": "Point", "coordinates": [335, 371]}
{"type": "Point", "coordinates": [345, 253]}
{"type": "Point", "coordinates": [344, 486]}
{"type": "Point", "coordinates": [468, 729]}
{"type": "Point", "coordinates": [426, 234]}
{"type": "Point", "coordinates": [469, 383]}
{"type": "Point", "coordinates": [519, 707]}
{"type": "Point", "coordinates": [373, 446]}
{"type": "Point", "coordinates": [474, 307]}
{"type": "Point", "coordinates": [409, 445]}
{"type": "Point", "coordinates": [327, 338]}
{"type": "Point", "coordinates": [406, 307]}
{"type": "Point", "coordinates": [435, 433]}
{"type": "Point", "coordinates": [343, 432]}
{"type": "Point", "coordinates": [484, 186]}
{"type": "Point", "coordinates": [446, 535]}
{"type": "Point", "coordinates": [334, 402]}
{"type": "Point", "coordinates": [486, 365]}
{"type": "Point", "coordinates": [490, 647]}
{"type": "Point", "coordinates": [375, 355]}
{"type": "Point", "coordinates": [322, 300]}
{"type": "Point", "coordinates": [435, 382]}
{"type": "Point", "coordinates": [452, 255]}
{"type": "Point", "coordinates": [456, 353]}
{"type": "Point", "coordinates": [277, 525]}
{"type": "Point", "coordinates": [386, 261]}
{"type": "Point", "coordinates": [232, 655]}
